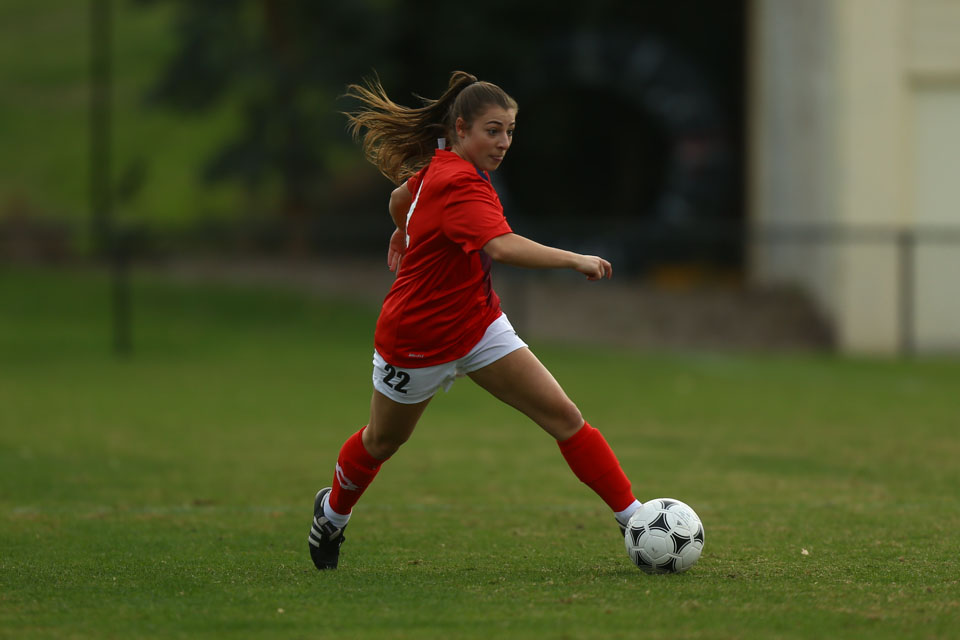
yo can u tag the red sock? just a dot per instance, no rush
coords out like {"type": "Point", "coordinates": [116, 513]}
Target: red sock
{"type": "Point", "coordinates": [356, 469]}
{"type": "Point", "coordinates": [592, 460]}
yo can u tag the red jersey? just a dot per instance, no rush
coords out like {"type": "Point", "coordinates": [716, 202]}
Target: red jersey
{"type": "Point", "coordinates": [442, 300]}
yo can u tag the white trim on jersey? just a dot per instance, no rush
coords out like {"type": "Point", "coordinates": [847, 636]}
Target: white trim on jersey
{"type": "Point", "coordinates": [413, 205]}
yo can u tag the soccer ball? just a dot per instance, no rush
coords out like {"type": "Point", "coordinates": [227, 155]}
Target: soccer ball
{"type": "Point", "coordinates": [664, 536]}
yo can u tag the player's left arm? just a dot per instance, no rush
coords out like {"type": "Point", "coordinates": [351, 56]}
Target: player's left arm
{"type": "Point", "coordinates": [516, 250]}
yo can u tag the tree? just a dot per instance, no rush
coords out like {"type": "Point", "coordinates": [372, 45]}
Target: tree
{"type": "Point", "coordinates": [283, 63]}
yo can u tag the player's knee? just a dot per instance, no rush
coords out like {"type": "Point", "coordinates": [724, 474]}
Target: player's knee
{"type": "Point", "coordinates": [383, 445]}
{"type": "Point", "coordinates": [568, 420]}
{"type": "Point", "coordinates": [574, 418]}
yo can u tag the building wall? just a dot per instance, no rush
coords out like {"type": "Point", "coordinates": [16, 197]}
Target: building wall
{"type": "Point", "coordinates": [933, 132]}
{"type": "Point", "coordinates": [935, 202]}
{"type": "Point", "coordinates": [793, 170]}
{"type": "Point", "coordinates": [855, 120]}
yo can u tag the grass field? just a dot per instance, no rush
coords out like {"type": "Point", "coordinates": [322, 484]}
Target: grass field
{"type": "Point", "coordinates": [169, 494]}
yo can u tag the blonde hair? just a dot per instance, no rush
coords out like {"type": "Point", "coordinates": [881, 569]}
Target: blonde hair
{"type": "Point", "coordinates": [400, 140]}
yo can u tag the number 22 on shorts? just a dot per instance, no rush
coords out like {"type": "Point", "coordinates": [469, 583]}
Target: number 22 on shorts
{"type": "Point", "coordinates": [396, 379]}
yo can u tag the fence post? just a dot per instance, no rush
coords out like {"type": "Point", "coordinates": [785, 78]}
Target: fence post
{"type": "Point", "coordinates": [906, 242]}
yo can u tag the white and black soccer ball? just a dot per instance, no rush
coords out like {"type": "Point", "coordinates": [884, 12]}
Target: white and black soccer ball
{"type": "Point", "coordinates": [664, 536]}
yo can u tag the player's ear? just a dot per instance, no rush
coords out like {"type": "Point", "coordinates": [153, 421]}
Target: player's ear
{"type": "Point", "coordinates": [461, 127]}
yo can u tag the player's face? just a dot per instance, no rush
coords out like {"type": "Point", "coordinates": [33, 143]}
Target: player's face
{"type": "Point", "coordinates": [486, 140]}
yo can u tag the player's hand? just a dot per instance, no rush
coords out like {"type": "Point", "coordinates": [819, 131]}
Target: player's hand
{"type": "Point", "coordinates": [594, 267]}
{"type": "Point", "coordinates": [398, 246]}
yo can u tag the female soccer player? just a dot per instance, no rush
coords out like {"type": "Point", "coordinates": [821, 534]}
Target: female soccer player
{"type": "Point", "coordinates": [442, 319]}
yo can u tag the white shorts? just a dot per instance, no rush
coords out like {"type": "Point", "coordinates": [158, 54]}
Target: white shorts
{"type": "Point", "coordinates": [412, 385]}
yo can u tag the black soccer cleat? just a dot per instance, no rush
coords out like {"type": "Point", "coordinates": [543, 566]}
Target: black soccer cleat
{"type": "Point", "coordinates": [325, 539]}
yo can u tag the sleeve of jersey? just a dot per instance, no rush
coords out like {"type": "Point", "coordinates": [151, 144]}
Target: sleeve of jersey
{"type": "Point", "coordinates": [473, 214]}
{"type": "Point", "coordinates": [413, 182]}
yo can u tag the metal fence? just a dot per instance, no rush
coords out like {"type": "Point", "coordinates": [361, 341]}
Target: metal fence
{"type": "Point", "coordinates": [726, 247]}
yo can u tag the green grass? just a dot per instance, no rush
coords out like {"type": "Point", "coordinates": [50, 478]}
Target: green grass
{"type": "Point", "coordinates": [168, 494]}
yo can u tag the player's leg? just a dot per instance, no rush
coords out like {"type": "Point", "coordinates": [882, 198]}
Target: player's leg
{"type": "Point", "coordinates": [391, 424]}
{"type": "Point", "coordinates": [520, 380]}
{"type": "Point", "coordinates": [399, 399]}
{"type": "Point", "coordinates": [359, 461]}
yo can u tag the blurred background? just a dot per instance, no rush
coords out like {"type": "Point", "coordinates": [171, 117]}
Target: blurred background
{"type": "Point", "coordinates": [769, 174]}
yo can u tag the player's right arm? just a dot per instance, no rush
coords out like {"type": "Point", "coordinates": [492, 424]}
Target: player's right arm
{"type": "Point", "coordinates": [400, 201]}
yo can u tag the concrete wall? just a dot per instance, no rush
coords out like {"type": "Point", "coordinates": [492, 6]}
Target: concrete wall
{"type": "Point", "coordinates": [791, 129]}
{"type": "Point", "coordinates": [933, 133]}
{"type": "Point", "coordinates": [855, 123]}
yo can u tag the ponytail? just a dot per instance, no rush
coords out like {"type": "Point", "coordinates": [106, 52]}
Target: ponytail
{"type": "Point", "coordinates": [400, 140]}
